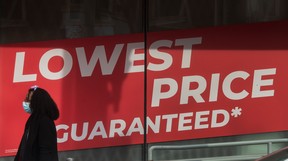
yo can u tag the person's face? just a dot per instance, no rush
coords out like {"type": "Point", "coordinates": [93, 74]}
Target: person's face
{"type": "Point", "coordinates": [28, 96]}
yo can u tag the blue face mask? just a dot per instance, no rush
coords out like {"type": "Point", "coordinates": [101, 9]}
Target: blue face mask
{"type": "Point", "coordinates": [26, 106]}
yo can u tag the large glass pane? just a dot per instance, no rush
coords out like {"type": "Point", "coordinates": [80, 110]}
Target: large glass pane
{"type": "Point", "coordinates": [89, 54]}
{"type": "Point", "coordinates": [196, 47]}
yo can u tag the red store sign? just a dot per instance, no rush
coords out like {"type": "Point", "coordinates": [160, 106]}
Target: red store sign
{"type": "Point", "coordinates": [200, 83]}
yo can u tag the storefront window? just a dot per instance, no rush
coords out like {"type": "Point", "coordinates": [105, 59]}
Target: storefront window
{"type": "Point", "coordinates": [29, 21]}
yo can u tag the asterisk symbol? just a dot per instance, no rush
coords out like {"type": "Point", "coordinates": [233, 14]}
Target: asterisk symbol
{"type": "Point", "coordinates": [236, 112]}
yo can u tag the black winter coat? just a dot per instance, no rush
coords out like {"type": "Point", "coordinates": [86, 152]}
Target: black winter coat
{"type": "Point", "coordinates": [39, 141]}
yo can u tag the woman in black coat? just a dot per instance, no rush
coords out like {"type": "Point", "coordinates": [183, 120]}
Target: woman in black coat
{"type": "Point", "coordinates": [39, 141]}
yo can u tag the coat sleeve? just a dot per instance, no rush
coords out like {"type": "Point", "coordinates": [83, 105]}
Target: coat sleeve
{"type": "Point", "coordinates": [47, 140]}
